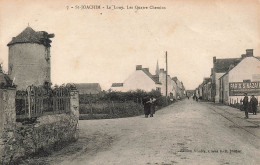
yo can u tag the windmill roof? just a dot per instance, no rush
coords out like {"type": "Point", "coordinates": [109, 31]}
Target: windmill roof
{"type": "Point", "coordinates": [28, 35]}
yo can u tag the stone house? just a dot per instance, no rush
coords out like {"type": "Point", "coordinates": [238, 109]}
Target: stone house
{"type": "Point", "coordinates": [29, 58]}
{"type": "Point", "coordinates": [241, 78]}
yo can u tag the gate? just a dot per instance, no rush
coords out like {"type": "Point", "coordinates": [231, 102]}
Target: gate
{"type": "Point", "coordinates": [36, 101]}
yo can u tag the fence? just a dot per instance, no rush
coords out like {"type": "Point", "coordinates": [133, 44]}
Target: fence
{"type": "Point", "coordinates": [36, 101]}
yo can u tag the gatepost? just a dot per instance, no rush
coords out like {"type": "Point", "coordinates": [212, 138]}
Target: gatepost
{"type": "Point", "coordinates": [74, 108]}
{"type": "Point", "coordinates": [7, 120]}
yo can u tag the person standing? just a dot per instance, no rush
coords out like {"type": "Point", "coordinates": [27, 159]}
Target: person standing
{"type": "Point", "coordinates": [147, 107]}
{"type": "Point", "coordinates": [254, 103]}
{"type": "Point", "coordinates": [152, 108]}
{"type": "Point", "coordinates": [245, 105]}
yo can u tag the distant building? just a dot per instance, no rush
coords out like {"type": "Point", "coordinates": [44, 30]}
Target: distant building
{"type": "Point", "coordinates": [88, 88]}
{"type": "Point", "coordinates": [241, 78]}
{"type": "Point", "coordinates": [206, 89]}
{"type": "Point", "coordinates": [29, 58]}
{"type": "Point", "coordinates": [171, 85]}
{"type": "Point", "coordinates": [141, 79]}
{"type": "Point", "coordinates": [190, 92]}
{"type": "Point", "coordinates": [180, 90]}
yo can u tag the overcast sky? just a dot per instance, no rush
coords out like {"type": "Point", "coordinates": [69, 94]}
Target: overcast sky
{"type": "Point", "coordinates": [104, 45]}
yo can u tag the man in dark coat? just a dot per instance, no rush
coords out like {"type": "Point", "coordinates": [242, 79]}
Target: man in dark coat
{"type": "Point", "coordinates": [147, 107]}
{"type": "Point", "coordinates": [245, 105]}
{"type": "Point", "coordinates": [254, 104]}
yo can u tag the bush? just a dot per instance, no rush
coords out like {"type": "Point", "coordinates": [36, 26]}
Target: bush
{"type": "Point", "coordinates": [161, 101]}
{"type": "Point", "coordinates": [111, 110]}
{"type": "Point", "coordinates": [117, 104]}
{"type": "Point", "coordinates": [136, 96]}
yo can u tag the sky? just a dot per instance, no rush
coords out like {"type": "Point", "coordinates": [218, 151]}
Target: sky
{"type": "Point", "coordinates": [105, 45]}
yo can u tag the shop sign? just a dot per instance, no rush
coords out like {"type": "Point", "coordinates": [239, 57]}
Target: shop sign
{"type": "Point", "coordinates": [239, 88]}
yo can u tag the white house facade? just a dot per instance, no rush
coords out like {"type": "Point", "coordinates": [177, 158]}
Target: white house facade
{"type": "Point", "coordinates": [243, 78]}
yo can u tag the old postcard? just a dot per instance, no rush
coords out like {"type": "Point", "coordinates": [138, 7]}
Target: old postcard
{"type": "Point", "coordinates": [152, 82]}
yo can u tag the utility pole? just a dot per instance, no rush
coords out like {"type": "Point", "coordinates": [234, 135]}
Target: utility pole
{"type": "Point", "coordinates": [166, 78]}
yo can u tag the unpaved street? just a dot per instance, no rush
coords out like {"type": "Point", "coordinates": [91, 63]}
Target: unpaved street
{"type": "Point", "coordinates": [186, 132]}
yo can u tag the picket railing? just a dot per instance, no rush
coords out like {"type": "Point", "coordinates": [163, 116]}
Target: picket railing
{"type": "Point", "coordinates": [37, 101]}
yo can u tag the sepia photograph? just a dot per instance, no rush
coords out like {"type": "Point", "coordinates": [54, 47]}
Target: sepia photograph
{"type": "Point", "coordinates": [140, 82]}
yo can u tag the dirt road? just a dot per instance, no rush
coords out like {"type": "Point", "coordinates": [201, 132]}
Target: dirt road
{"type": "Point", "coordinates": [186, 132]}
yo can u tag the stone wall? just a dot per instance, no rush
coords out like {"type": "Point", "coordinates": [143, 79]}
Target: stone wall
{"type": "Point", "coordinates": [22, 139]}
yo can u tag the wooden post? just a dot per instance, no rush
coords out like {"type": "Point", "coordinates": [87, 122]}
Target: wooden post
{"type": "Point", "coordinates": [29, 102]}
{"type": "Point", "coordinates": [91, 109]}
{"type": "Point", "coordinates": [110, 110]}
{"type": "Point", "coordinates": [166, 79]}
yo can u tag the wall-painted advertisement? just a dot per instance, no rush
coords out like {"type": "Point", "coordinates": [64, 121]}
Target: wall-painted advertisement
{"type": "Point", "coordinates": [239, 88]}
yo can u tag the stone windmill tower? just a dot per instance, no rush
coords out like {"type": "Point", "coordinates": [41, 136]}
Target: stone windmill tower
{"type": "Point", "coordinates": [29, 58]}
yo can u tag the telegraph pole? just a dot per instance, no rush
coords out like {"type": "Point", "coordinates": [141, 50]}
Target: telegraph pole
{"type": "Point", "coordinates": [166, 78]}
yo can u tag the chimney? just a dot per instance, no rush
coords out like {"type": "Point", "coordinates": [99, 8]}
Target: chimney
{"type": "Point", "coordinates": [138, 67]}
{"type": "Point", "coordinates": [249, 52]}
{"type": "Point", "coordinates": [146, 69]}
{"type": "Point", "coordinates": [243, 55]}
{"type": "Point", "coordinates": [214, 59]}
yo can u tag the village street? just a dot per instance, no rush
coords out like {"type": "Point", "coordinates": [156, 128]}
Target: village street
{"type": "Point", "coordinates": [185, 132]}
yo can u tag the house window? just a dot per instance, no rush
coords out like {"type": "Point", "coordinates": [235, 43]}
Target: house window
{"type": "Point", "coordinates": [158, 89]}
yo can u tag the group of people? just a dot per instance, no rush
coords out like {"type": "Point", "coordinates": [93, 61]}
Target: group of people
{"type": "Point", "coordinates": [253, 102]}
{"type": "Point", "coordinates": [149, 107]}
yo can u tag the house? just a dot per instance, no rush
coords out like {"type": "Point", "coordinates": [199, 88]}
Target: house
{"type": "Point", "coordinates": [241, 78]}
{"type": "Point", "coordinates": [171, 85]}
{"type": "Point", "coordinates": [141, 79]}
{"type": "Point", "coordinates": [206, 89]}
{"type": "Point", "coordinates": [183, 90]}
{"type": "Point", "coordinates": [220, 67]}
{"type": "Point", "coordinates": [88, 88]}
{"type": "Point", "coordinates": [180, 88]}
{"type": "Point", "coordinates": [29, 58]}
